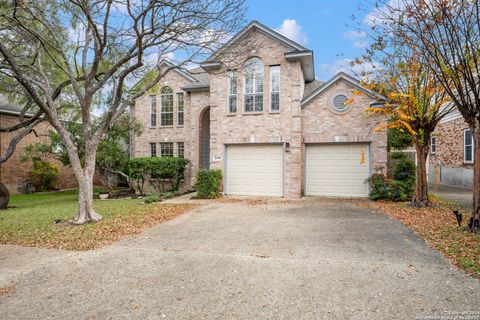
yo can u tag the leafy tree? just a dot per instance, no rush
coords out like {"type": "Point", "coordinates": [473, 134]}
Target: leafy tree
{"type": "Point", "coordinates": [112, 152]}
{"type": "Point", "coordinates": [116, 43]}
{"type": "Point", "coordinates": [416, 104]}
{"type": "Point", "coordinates": [44, 175]}
{"type": "Point", "coordinates": [398, 139]}
{"type": "Point", "coordinates": [446, 33]}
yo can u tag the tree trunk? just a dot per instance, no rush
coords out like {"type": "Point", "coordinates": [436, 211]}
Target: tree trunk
{"type": "Point", "coordinates": [474, 224]}
{"type": "Point", "coordinates": [85, 212]}
{"type": "Point", "coordinates": [4, 197]}
{"type": "Point", "coordinates": [420, 198]}
{"type": "Point", "coordinates": [104, 175]}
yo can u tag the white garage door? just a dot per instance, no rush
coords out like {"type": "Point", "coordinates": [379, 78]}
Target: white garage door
{"type": "Point", "coordinates": [337, 170]}
{"type": "Point", "coordinates": [254, 170]}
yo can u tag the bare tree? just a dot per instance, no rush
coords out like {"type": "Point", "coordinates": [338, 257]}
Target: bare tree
{"type": "Point", "coordinates": [447, 34]}
{"type": "Point", "coordinates": [102, 55]}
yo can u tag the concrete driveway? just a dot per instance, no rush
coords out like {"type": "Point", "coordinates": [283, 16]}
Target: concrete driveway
{"type": "Point", "coordinates": [310, 259]}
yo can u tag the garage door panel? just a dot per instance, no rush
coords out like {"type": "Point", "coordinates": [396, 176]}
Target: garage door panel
{"type": "Point", "coordinates": [339, 192]}
{"type": "Point", "coordinates": [254, 170]}
{"type": "Point", "coordinates": [350, 177]}
{"type": "Point", "coordinates": [337, 170]}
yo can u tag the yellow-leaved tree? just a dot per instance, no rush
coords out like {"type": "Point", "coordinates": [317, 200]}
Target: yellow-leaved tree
{"type": "Point", "coordinates": [416, 103]}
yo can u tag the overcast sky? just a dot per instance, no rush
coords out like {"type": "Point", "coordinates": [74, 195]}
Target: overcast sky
{"type": "Point", "coordinates": [324, 26]}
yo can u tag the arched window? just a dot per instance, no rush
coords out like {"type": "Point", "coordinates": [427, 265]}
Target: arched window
{"type": "Point", "coordinates": [253, 98]}
{"type": "Point", "coordinates": [166, 111]}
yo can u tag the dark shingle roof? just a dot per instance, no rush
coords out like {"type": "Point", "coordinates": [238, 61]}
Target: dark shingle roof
{"type": "Point", "coordinates": [7, 107]}
{"type": "Point", "coordinates": [311, 87]}
{"type": "Point", "coordinates": [201, 76]}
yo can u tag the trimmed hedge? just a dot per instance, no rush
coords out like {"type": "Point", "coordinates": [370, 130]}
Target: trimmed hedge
{"type": "Point", "coordinates": [208, 183]}
{"type": "Point", "coordinates": [158, 171]}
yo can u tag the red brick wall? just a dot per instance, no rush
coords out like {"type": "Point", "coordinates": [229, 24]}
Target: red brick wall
{"type": "Point", "coordinates": [449, 137]}
{"type": "Point", "coordinates": [14, 173]}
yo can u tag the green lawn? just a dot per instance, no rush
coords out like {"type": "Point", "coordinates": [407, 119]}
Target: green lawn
{"type": "Point", "coordinates": [31, 221]}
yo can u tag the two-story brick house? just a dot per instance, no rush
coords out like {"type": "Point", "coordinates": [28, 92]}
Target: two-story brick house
{"type": "Point", "coordinates": [268, 124]}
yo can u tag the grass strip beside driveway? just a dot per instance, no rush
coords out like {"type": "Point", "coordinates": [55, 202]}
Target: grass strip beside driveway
{"type": "Point", "coordinates": [30, 223]}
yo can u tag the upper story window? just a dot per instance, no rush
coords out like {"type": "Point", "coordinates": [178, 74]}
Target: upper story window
{"type": "Point", "coordinates": [253, 99]}
{"type": "Point", "coordinates": [153, 111]}
{"type": "Point", "coordinates": [232, 92]}
{"type": "Point", "coordinates": [166, 111]}
{"type": "Point", "coordinates": [275, 88]}
{"type": "Point", "coordinates": [468, 147]}
{"type": "Point", "coordinates": [153, 149]}
{"type": "Point", "coordinates": [180, 109]}
{"type": "Point", "coordinates": [433, 145]}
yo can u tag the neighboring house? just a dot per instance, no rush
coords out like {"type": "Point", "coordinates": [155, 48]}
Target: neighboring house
{"type": "Point", "coordinates": [269, 125]}
{"type": "Point", "coordinates": [452, 153]}
{"type": "Point", "coordinates": [15, 173]}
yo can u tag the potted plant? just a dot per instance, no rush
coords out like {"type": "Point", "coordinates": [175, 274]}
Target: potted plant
{"type": "Point", "coordinates": [103, 193]}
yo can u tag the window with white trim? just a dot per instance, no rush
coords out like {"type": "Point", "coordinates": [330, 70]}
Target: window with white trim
{"type": "Point", "coordinates": [433, 145]}
{"type": "Point", "coordinates": [253, 96]}
{"type": "Point", "coordinates": [468, 147]}
{"type": "Point", "coordinates": [180, 149]}
{"type": "Point", "coordinates": [153, 111]}
{"type": "Point", "coordinates": [166, 111]}
{"type": "Point", "coordinates": [153, 149]}
{"type": "Point", "coordinates": [166, 149]}
{"type": "Point", "coordinates": [232, 92]}
{"type": "Point", "coordinates": [180, 109]}
{"type": "Point", "coordinates": [275, 88]}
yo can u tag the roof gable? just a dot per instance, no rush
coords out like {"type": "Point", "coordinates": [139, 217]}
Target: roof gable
{"type": "Point", "coordinates": [339, 76]}
{"type": "Point", "coordinates": [297, 51]}
{"type": "Point", "coordinates": [264, 30]}
{"type": "Point", "coordinates": [180, 71]}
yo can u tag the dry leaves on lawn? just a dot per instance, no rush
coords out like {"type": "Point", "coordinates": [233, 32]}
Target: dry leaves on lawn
{"type": "Point", "coordinates": [95, 235]}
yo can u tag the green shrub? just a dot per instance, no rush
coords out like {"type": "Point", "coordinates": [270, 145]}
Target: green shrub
{"type": "Point", "coordinates": [44, 175]}
{"type": "Point", "coordinates": [151, 198]}
{"type": "Point", "coordinates": [208, 183]}
{"type": "Point", "coordinates": [405, 173]}
{"type": "Point", "coordinates": [402, 184]}
{"type": "Point", "coordinates": [382, 188]}
{"type": "Point", "coordinates": [164, 173]}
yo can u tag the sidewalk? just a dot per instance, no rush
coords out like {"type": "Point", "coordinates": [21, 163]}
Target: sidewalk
{"type": "Point", "coordinates": [462, 196]}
